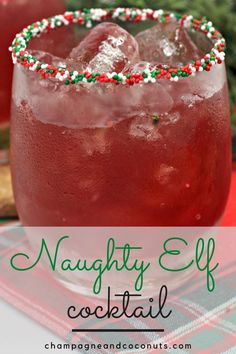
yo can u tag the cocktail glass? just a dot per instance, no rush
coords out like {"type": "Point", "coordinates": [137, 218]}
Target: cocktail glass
{"type": "Point", "coordinates": [147, 148]}
{"type": "Point", "coordinates": [149, 152]}
{"type": "Point", "coordinates": [14, 15]}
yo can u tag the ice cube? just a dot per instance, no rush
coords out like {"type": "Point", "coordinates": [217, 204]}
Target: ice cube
{"type": "Point", "coordinates": [140, 67]}
{"type": "Point", "coordinates": [200, 40]}
{"type": "Point", "coordinates": [107, 48]}
{"type": "Point", "coordinates": [48, 58]}
{"type": "Point", "coordinates": [167, 44]}
{"type": "Point", "coordinates": [191, 99]}
{"type": "Point", "coordinates": [171, 118]}
{"type": "Point", "coordinates": [58, 43]}
{"type": "Point", "coordinates": [143, 128]}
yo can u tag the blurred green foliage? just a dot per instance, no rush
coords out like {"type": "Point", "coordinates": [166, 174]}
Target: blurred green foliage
{"type": "Point", "coordinates": [222, 13]}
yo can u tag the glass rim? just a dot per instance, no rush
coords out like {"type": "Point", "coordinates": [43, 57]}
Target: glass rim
{"type": "Point", "coordinates": [88, 18]}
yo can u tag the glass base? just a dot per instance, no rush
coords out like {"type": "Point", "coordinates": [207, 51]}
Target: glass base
{"type": "Point", "coordinates": [151, 287]}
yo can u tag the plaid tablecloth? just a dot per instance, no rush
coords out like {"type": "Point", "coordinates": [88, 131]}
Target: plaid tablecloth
{"type": "Point", "coordinates": [206, 321]}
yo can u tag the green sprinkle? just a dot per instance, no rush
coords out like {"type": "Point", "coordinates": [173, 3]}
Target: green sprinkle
{"type": "Point", "coordinates": [155, 118]}
{"type": "Point", "coordinates": [80, 77]}
{"type": "Point", "coordinates": [177, 16]}
{"type": "Point", "coordinates": [86, 11]}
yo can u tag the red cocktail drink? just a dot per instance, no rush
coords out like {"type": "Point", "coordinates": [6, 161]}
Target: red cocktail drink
{"type": "Point", "coordinates": [14, 15]}
{"type": "Point", "coordinates": [142, 143]}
